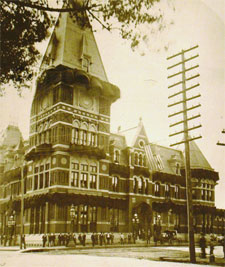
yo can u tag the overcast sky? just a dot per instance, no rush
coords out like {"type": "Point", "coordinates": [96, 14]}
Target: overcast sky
{"type": "Point", "coordinates": [143, 80]}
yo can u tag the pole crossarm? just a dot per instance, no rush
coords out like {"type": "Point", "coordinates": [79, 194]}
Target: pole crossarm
{"type": "Point", "coordinates": [182, 101]}
{"type": "Point", "coordinates": [186, 141]}
{"type": "Point", "coordinates": [182, 111]}
{"type": "Point", "coordinates": [180, 72]}
{"type": "Point", "coordinates": [183, 51]}
{"type": "Point", "coordinates": [192, 77]}
{"type": "Point", "coordinates": [188, 119]}
{"type": "Point", "coordinates": [184, 131]}
{"type": "Point", "coordinates": [182, 91]}
{"type": "Point", "coordinates": [181, 62]}
{"type": "Point", "coordinates": [187, 79]}
{"type": "Point", "coordinates": [220, 144]}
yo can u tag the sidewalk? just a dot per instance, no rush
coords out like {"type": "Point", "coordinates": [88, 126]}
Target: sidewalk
{"type": "Point", "coordinates": [159, 253]}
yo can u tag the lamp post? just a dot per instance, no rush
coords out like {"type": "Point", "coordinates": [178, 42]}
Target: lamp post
{"type": "Point", "coordinates": [72, 216]}
{"type": "Point", "coordinates": [135, 222]}
{"type": "Point", "coordinates": [158, 230]}
{"type": "Point", "coordinates": [11, 225]}
{"type": "Point", "coordinates": [169, 215]}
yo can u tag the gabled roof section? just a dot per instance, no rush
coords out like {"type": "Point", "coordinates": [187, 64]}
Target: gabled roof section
{"type": "Point", "coordinates": [70, 44]}
{"type": "Point", "coordinates": [135, 134]}
{"type": "Point", "coordinates": [198, 160]}
{"type": "Point", "coordinates": [166, 160]}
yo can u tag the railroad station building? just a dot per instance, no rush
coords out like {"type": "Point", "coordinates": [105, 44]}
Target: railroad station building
{"type": "Point", "coordinates": [78, 176]}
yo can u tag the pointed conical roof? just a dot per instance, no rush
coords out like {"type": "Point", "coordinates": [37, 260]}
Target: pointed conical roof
{"type": "Point", "coordinates": [133, 135]}
{"type": "Point", "coordinates": [70, 45]}
{"type": "Point", "coordinates": [197, 159]}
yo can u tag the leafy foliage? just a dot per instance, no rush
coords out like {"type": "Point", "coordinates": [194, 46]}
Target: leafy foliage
{"type": "Point", "coordinates": [26, 22]}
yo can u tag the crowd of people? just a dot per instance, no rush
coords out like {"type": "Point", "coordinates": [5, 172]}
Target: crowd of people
{"type": "Point", "coordinates": [63, 239]}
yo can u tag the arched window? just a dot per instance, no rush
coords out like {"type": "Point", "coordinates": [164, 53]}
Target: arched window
{"type": "Point", "coordinates": [167, 190]}
{"type": "Point", "coordinates": [75, 132]}
{"type": "Point", "coordinates": [140, 159]}
{"type": "Point", "coordinates": [157, 189]}
{"type": "Point", "coordinates": [135, 185]}
{"type": "Point", "coordinates": [177, 191]}
{"type": "Point", "coordinates": [115, 181]}
{"type": "Point", "coordinates": [140, 185]}
{"type": "Point", "coordinates": [135, 159]}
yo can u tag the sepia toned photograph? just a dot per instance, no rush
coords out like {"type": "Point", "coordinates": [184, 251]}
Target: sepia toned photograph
{"type": "Point", "coordinates": [112, 133]}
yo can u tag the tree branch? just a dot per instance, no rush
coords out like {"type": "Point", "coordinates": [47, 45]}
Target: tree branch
{"type": "Point", "coordinates": [45, 8]}
{"type": "Point", "coordinates": [103, 25]}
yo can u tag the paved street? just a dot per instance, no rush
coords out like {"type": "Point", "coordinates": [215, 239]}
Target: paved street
{"type": "Point", "coordinates": [110, 257]}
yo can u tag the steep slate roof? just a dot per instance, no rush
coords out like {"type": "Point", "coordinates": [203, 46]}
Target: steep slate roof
{"type": "Point", "coordinates": [69, 44]}
{"type": "Point", "coordinates": [169, 158]}
{"type": "Point", "coordinates": [198, 160]}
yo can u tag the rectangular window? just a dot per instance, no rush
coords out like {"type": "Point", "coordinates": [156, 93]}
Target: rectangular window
{"type": "Point", "coordinates": [41, 182]}
{"type": "Point", "coordinates": [47, 166]}
{"type": "Point", "coordinates": [93, 179]}
{"type": "Point", "coordinates": [84, 167]}
{"type": "Point", "coordinates": [35, 182]}
{"type": "Point", "coordinates": [83, 180]}
{"type": "Point", "coordinates": [46, 179]}
{"type": "Point", "coordinates": [93, 168]}
{"type": "Point", "coordinates": [75, 166]}
{"type": "Point", "coordinates": [75, 179]}
{"type": "Point", "coordinates": [41, 168]}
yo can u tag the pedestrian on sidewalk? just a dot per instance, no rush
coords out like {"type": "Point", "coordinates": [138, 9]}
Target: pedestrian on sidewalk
{"type": "Point", "coordinates": [96, 238]}
{"type": "Point", "coordinates": [121, 238]}
{"type": "Point", "coordinates": [101, 238]}
{"type": "Point", "coordinates": [74, 239]}
{"type": "Point", "coordinates": [44, 240]}
{"type": "Point", "coordinates": [59, 239]}
{"type": "Point", "coordinates": [23, 242]}
{"type": "Point", "coordinates": [112, 238]}
{"type": "Point", "coordinates": [93, 239]}
{"type": "Point", "coordinates": [148, 237]}
{"type": "Point", "coordinates": [211, 246]}
{"type": "Point", "coordinates": [202, 245]}
{"type": "Point", "coordinates": [223, 246]}
{"type": "Point", "coordinates": [108, 238]}
{"type": "Point", "coordinates": [84, 239]}
{"type": "Point", "coordinates": [80, 239]}
{"type": "Point", "coordinates": [67, 239]}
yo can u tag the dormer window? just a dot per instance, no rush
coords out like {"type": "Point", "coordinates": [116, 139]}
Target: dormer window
{"type": "Point", "coordinates": [86, 63]}
{"type": "Point", "coordinates": [116, 156]}
{"type": "Point", "coordinates": [177, 168]}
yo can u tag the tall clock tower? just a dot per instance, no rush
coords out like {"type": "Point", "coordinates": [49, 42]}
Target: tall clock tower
{"type": "Point", "coordinates": [70, 115]}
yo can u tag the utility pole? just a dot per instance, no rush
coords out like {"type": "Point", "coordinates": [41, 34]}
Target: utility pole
{"type": "Point", "coordinates": [219, 143]}
{"type": "Point", "coordinates": [186, 118]}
